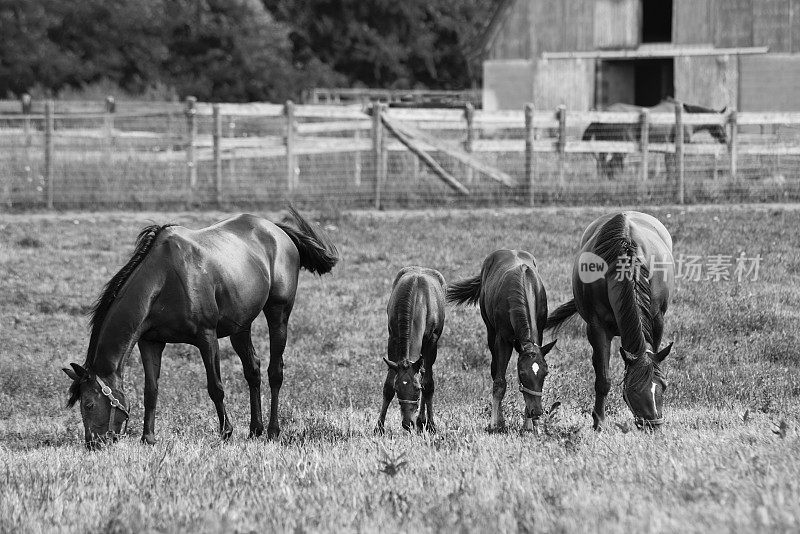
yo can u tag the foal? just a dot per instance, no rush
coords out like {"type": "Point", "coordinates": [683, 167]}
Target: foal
{"type": "Point", "coordinates": [416, 319]}
{"type": "Point", "coordinates": [514, 308]}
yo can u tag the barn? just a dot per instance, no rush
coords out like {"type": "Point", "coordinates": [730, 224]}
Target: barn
{"type": "Point", "coordinates": [585, 54]}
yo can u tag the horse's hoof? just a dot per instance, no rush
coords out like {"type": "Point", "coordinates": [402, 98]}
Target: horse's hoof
{"type": "Point", "coordinates": [256, 431]}
{"type": "Point", "coordinates": [149, 439]}
{"type": "Point", "coordinates": [498, 429]}
{"type": "Point", "coordinates": [227, 433]}
{"type": "Point", "coordinates": [273, 432]}
{"type": "Point", "coordinates": [378, 430]}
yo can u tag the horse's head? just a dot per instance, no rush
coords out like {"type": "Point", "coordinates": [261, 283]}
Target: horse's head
{"type": "Point", "coordinates": [408, 388]}
{"type": "Point", "coordinates": [717, 131]}
{"type": "Point", "coordinates": [532, 370]}
{"type": "Point", "coordinates": [103, 409]}
{"type": "Point", "coordinates": [644, 386]}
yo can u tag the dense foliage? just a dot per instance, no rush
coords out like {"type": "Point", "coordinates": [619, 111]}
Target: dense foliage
{"type": "Point", "coordinates": [236, 49]}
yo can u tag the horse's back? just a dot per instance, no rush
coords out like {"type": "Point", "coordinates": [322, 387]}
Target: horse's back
{"type": "Point", "coordinates": [510, 282]}
{"type": "Point", "coordinates": [417, 290]}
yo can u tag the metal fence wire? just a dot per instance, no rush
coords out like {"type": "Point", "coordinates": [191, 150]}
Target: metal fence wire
{"type": "Point", "coordinates": [147, 155]}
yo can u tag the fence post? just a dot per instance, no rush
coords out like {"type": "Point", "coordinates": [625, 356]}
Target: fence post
{"type": "Point", "coordinates": [108, 121]}
{"type": "Point", "coordinates": [191, 129]}
{"type": "Point", "coordinates": [49, 128]}
{"type": "Point", "coordinates": [357, 168]}
{"type": "Point", "coordinates": [378, 150]}
{"type": "Point", "coordinates": [679, 150]}
{"type": "Point", "coordinates": [291, 163]}
{"type": "Point", "coordinates": [530, 162]}
{"type": "Point", "coordinates": [26, 134]}
{"type": "Point", "coordinates": [562, 142]}
{"type": "Point", "coordinates": [644, 147]}
{"type": "Point", "coordinates": [733, 144]}
{"type": "Point", "coordinates": [469, 116]}
{"type": "Point", "coordinates": [216, 135]}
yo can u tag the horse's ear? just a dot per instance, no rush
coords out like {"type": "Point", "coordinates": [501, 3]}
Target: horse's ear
{"type": "Point", "coordinates": [417, 364]}
{"type": "Point", "coordinates": [392, 365]}
{"type": "Point", "coordinates": [663, 353]}
{"type": "Point", "coordinates": [70, 373]}
{"type": "Point", "coordinates": [627, 357]}
{"type": "Point", "coordinates": [547, 348]}
{"type": "Point", "coordinates": [79, 370]}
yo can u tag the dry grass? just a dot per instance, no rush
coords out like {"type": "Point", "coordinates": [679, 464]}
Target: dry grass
{"type": "Point", "coordinates": [720, 464]}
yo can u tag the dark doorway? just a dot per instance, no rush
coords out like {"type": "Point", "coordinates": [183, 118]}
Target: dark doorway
{"type": "Point", "coordinates": [653, 81]}
{"type": "Point", "coordinates": [656, 21]}
{"type": "Point", "coordinates": [642, 82]}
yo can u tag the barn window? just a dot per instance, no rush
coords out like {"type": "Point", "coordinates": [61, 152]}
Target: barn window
{"type": "Point", "coordinates": [656, 21]}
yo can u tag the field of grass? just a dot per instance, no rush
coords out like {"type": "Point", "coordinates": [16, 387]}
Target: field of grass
{"type": "Point", "coordinates": [728, 458]}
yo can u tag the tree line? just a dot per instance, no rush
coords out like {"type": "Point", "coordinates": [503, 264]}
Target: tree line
{"type": "Point", "coordinates": [237, 50]}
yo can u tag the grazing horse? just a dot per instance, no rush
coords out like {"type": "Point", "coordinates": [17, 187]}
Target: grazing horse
{"type": "Point", "coordinates": [416, 320]}
{"type": "Point", "coordinates": [195, 286]}
{"type": "Point", "coordinates": [513, 306]}
{"type": "Point", "coordinates": [621, 284]}
{"type": "Point", "coordinates": [610, 166]}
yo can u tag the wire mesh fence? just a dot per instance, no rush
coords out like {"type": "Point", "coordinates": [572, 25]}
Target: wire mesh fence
{"type": "Point", "coordinates": [64, 155]}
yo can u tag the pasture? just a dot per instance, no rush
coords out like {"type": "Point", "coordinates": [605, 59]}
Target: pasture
{"type": "Point", "coordinates": [728, 458]}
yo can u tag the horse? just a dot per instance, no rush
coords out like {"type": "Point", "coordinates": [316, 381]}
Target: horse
{"type": "Point", "coordinates": [613, 165]}
{"type": "Point", "coordinates": [416, 319]}
{"type": "Point", "coordinates": [195, 286]}
{"type": "Point", "coordinates": [622, 280]}
{"type": "Point", "coordinates": [513, 305]}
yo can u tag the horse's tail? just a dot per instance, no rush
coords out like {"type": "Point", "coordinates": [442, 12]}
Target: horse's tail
{"type": "Point", "coordinates": [631, 278]}
{"type": "Point", "coordinates": [465, 291]}
{"type": "Point", "coordinates": [318, 254]}
{"type": "Point", "coordinates": [561, 314]}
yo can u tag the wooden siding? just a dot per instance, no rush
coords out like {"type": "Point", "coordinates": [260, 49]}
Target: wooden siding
{"type": "Point", "coordinates": [579, 25]}
{"type": "Point", "coordinates": [794, 24]}
{"type": "Point", "coordinates": [564, 81]}
{"type": "Point", "coordinates": [770, 83]}
{"type": "Point", "coordinates": [771, 25]}
{"type": "Point", "coordinates": [617, 23]}
{"type": "Point", "coordinates": [548, 26]}
{"type": "Point", "coordinates": [710, 81]}
{"type": "Point", "coordinates": [733, 23]}
{"type": "Point", "coordinates": [507, 84]}
{"type": "Point", "coordinates": [691, 22]}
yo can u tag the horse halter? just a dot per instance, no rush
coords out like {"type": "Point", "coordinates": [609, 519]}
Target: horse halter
{"type": "Point", "coordinates": [530, 391]}
{"type": "Point", "coordinates": [115, 405]}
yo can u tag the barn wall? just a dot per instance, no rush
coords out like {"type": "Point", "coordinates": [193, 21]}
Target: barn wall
{"type": "Point", "coordinates": [692, 22]}
{"type": "Point", "coordinates": [710, 81]}
{"type": "Point", "coordinates": [771, 24]}
{"type": "Point", "coordinates": [513, 41]}
{"type": "Point", "coordinates": [579, 25]}
{"type": "Point", "coordinates": [770, 82]}
{"type": "Point", "coordinates": [564, 81]}
{"type": "Point", "coordinates": [548, 26]}
{"type": "Point", "coordinates": [617, 23]}
{"type": "Point", "coordinates": [794, 23]}
{"type": "Point", "coordinates": [733, 25]}
{"type": "Point", "coordinates": [507, 84]}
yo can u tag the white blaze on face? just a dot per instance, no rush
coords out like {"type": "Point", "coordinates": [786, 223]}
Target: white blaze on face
{"type": "Point", "coordinates": [653, 392]}
{"type": "Point", "coordinates": [535, 368]}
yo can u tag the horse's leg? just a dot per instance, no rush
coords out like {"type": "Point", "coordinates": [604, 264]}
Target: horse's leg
{"type": "Point", "coordinates": [500, 358]}
{"type": "Point", "coordinates": [151, 361]}
{"type": "Point", "coordinates": [209, 350]}
{"type": "Point", "coordinates": [425, 420]}
{"type": "Point", "coordinates": [388, 388]}
{"type": "Point", "coordinates": [251, 365]}
{"type": "Point", "coordinates": [601, 349]}
{"type": "Point", "coordinates": [277, 319]}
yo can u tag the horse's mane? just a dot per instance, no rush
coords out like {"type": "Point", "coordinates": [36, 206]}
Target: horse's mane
{"type": "Point", "coordinates": [635, 321]}
{"type": "Point", "coordinates": [99, 310]}
{"type": "Point", "coordinates": [404, 306]}
{"type": "Point", "coordinates": [519, 309]}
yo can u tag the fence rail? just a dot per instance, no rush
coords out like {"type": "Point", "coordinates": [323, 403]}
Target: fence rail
{"type": "Point", "coordinates": [60, 154]}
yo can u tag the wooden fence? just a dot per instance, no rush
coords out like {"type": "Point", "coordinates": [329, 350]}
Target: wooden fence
{"type": "Point", "coordinates": [374, 132]}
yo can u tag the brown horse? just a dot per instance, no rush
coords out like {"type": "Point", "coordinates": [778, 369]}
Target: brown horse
{"type": "Point", "coordinates": [416, 320]}
{"type": "Point", "coordinates": [195, 286]}
{"type": "Point", "coordinates": [610, 166]}
{"type": "Point", "coordinates": [513, 306]}
{"type": "Point", "coordinates": [622, 280]}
